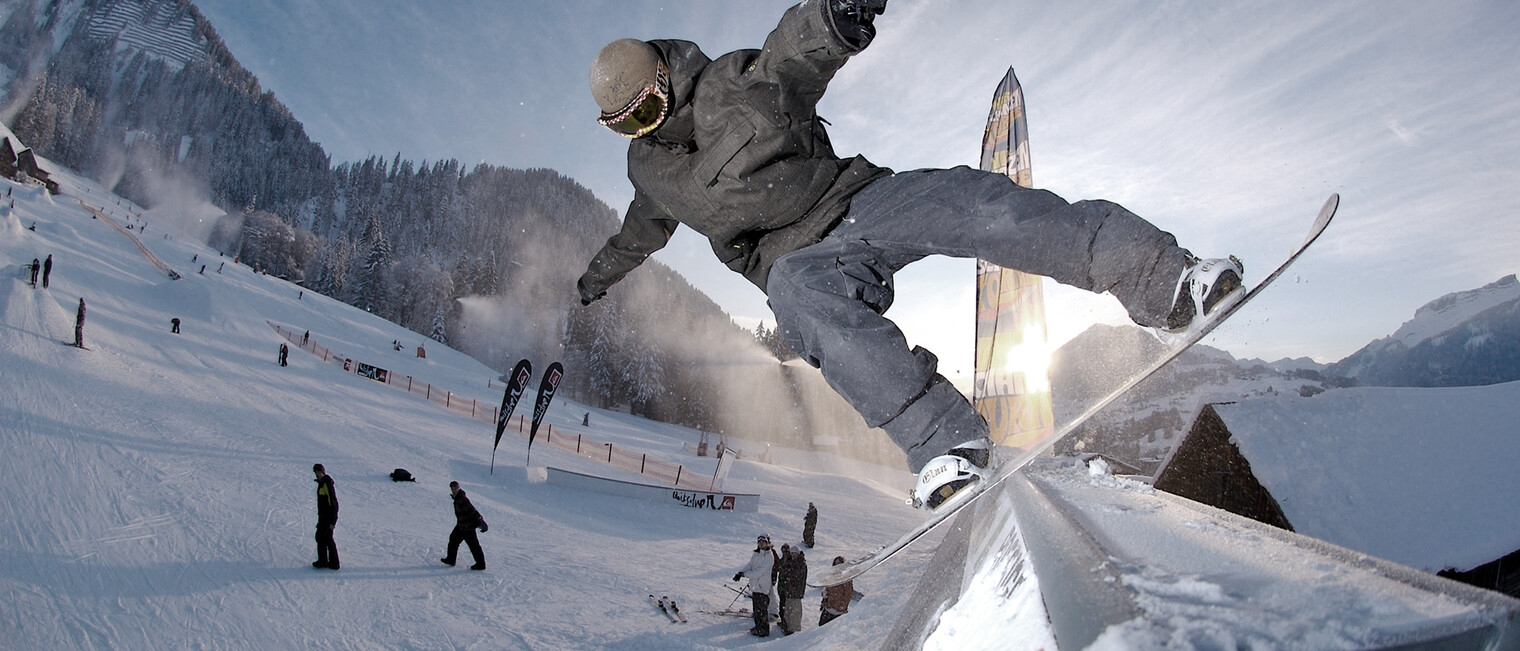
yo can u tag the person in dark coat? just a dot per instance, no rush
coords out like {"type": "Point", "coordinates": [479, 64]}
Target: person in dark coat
{"type": "Point", "coordinates": [466, 521]}
{"type": "Point", "coordinates": [327, 519]}
{"type": "Point", "coordinates": [284, 352]}
{"type": "Point", "coordinates": [35, 267]}
{"type": "Point", "coordinates": [784, 575]}
{"type": "Point", "coordinates": [174, 325]}
{"type": "Point", "coordinates": [809, 525]}
{"type": "Point", "coordinates": [79, 325]}
{"type": "Point", "coordinates": [793, 586]}
{"type": "Point", "coordinates": [836, 598]}
{"type": "Point", "coordinates": [47, 270]}
{"type": "Point", "coordinates": [734, 149]}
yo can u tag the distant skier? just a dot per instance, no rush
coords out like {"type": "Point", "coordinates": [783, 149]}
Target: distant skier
{"type": "Point", "coordinates": [79, 325]}
{"type": "Point", "coordinates": [174, 325]}
{"type": "Point", "coordinates": [327, 519]}
{"type": "Point", "coordinates": [47, 270]}
{"type": "Point", "coordinates": [734, 149]}
{"type": "Point", "coordinates": [760, 572]}
{"type": "Point", "coordinates": [284, 352]}
{"type": "Point", "coordinates": [836, 598]}
{"type": "Point", "coordinates": [35, 267]}
{"type": "Point", "coordinates": [809, 525]}
{"type": "Point", "coordinates": [466, 521]}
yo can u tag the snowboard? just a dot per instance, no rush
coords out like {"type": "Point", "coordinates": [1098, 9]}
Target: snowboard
{"type": "Point", "coordinates": [1014, 460]}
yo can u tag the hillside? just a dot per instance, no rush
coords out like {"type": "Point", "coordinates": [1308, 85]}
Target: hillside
{"type": "Point", "coordinates": [159, 485]}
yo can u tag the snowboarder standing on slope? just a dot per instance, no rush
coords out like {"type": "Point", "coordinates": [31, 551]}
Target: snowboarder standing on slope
{"type": "Point", "coordinates": [809, 525]}
{"type": "Point", "coordinates": [466, 521]}
{"type": "Point", "coordinates": [759, 570]}
{"type": "Point", "coordinates": [79, 325]}
{"type": "Point", "coordinates": [734, 149]}
{"type": "Point", "coordinates": [327, 519]}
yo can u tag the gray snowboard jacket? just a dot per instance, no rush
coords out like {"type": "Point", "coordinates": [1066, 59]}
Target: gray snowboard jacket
{"type": "Point", "coordinates": [743, 157]}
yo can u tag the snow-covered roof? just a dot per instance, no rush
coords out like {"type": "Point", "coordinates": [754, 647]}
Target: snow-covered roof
{"type": "Point", "coordinates": [1419, 476]}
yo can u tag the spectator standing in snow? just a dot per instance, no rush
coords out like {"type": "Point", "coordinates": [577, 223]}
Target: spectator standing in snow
{"type": "Point", "coordinates": [35, 266]}
{"type": "Point", "coordinates": [174, 325]}
{"type": "Point", "coordinates": [784, 586]}
{"type": "Point", "coordinates": [760, 570]}
{"type": "Point", "coordinates": [327, 519]}
{"type": "Point", "coordinates": [466, 521]}
{"type": "Point", "coordinates": [284, 351]}
{"type": "Point", "coordinates": [836, 598]}
{"type": "Point", "coordinates": [809, 525]}
{"type": "Point", "coordinates": [795, 576]}
{"type": "Point", "coordinates": [47, 270]}
{"type": "Point", "coordinates": [79, 325]}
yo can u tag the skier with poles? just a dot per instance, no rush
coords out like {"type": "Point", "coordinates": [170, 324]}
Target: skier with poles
{"type": "Point", "coordinates": [733, 148]}
{"type": "Point", "coordinates": [759, 570]}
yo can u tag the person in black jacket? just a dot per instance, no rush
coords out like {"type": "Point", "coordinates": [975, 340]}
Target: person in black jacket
{"type": "Point", "coordinates": [327, 519]}
{"type": "Point", "coordinates": [734, 148]}
{"type": "Point", "coordinates": [466, 521]}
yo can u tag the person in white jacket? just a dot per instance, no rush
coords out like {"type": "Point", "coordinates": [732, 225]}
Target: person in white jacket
{"type": "Point", "coordinates": [761, 562]}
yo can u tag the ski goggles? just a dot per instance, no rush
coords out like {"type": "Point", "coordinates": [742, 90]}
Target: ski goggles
{"type": "Point", "coordinates": [646, 112]}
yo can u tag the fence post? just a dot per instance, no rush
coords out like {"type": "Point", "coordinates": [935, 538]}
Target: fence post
{"type": "Point", "coordinates": [577, 443]}
{"type": "Point", "coordinates": [609, 453]}
{"type": "Point", "coordinates": [678, 474]}
{"type": "Point", "coordinates": [642, 463]}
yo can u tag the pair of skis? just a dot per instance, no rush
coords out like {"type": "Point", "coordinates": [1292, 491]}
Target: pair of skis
{"type": "Point", "coordinates": [668, 606]}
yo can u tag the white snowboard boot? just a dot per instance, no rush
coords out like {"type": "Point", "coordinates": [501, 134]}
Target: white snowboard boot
{"type": "Point", "coordinates": [950, 474]}
{"type": "Point", "coordinates": [1205, 288]}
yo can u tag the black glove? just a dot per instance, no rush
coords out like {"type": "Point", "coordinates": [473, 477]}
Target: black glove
{"type": "Point", "coordinates": [738, 576]}
{"type": "Point", "coordinates": [586, 295]}
{"type": "Point", "coordinates": [483, 527]}
{"type": "Point", "coordinates": [852, 20]}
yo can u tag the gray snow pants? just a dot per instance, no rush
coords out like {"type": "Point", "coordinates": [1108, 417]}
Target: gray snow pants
{"type": "Point", "coordinates": [829, 298]}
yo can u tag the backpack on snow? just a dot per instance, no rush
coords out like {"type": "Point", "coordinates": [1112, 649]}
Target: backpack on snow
{"type": "Point", "coordinates": [400, 474]}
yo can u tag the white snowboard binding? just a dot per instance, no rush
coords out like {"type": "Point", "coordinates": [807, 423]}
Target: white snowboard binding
{"type": "Point", "coordinates": [1206, 289]}
{"type": "Point", "coordinates": [951, 474]}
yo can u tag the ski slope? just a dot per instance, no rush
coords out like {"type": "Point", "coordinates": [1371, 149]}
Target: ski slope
{"type": "Point", "coordinates": [159, 490]}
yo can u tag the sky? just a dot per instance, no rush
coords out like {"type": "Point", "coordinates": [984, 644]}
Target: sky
{"type": "Point", "coordinates": [159, 495]}
{"type": "Point", "coordinates": [1227, 125]}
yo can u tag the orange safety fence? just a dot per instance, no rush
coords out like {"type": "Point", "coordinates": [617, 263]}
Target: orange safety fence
{"type": "Point", "coordinates": [665, 472]}
{"type": "Point", "coordinates": [130, 236]}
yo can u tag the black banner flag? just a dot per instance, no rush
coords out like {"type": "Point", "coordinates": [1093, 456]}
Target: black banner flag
{"type": "Point", "coordinates": [516, 382]}
{"type": "Point", "coordinates": [546, 390]}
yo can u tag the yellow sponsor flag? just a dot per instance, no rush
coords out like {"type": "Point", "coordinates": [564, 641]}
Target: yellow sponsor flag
{"type": "Point", "coordinates": [1012, 386]}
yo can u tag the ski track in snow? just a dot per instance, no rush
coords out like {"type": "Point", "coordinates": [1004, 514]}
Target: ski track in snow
{"type": "Point", "coordinates": [159, 491]}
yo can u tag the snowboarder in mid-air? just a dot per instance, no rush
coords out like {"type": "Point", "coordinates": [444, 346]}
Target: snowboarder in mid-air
{"type": "Point", "coordinates": [735, 149]}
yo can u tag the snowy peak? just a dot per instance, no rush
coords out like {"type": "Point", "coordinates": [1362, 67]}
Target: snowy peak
{"type": "Point", "coordinates": [1443, 314]}
{"type": "Point", "coordinates": [1465, 338]}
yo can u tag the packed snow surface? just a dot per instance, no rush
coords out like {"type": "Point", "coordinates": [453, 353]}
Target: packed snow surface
{"type": "Point", "coordinates": [159, 491]}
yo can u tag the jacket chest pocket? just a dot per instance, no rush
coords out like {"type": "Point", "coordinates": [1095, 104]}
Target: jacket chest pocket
{"type": "Point", "coordinates": [720, 154]}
